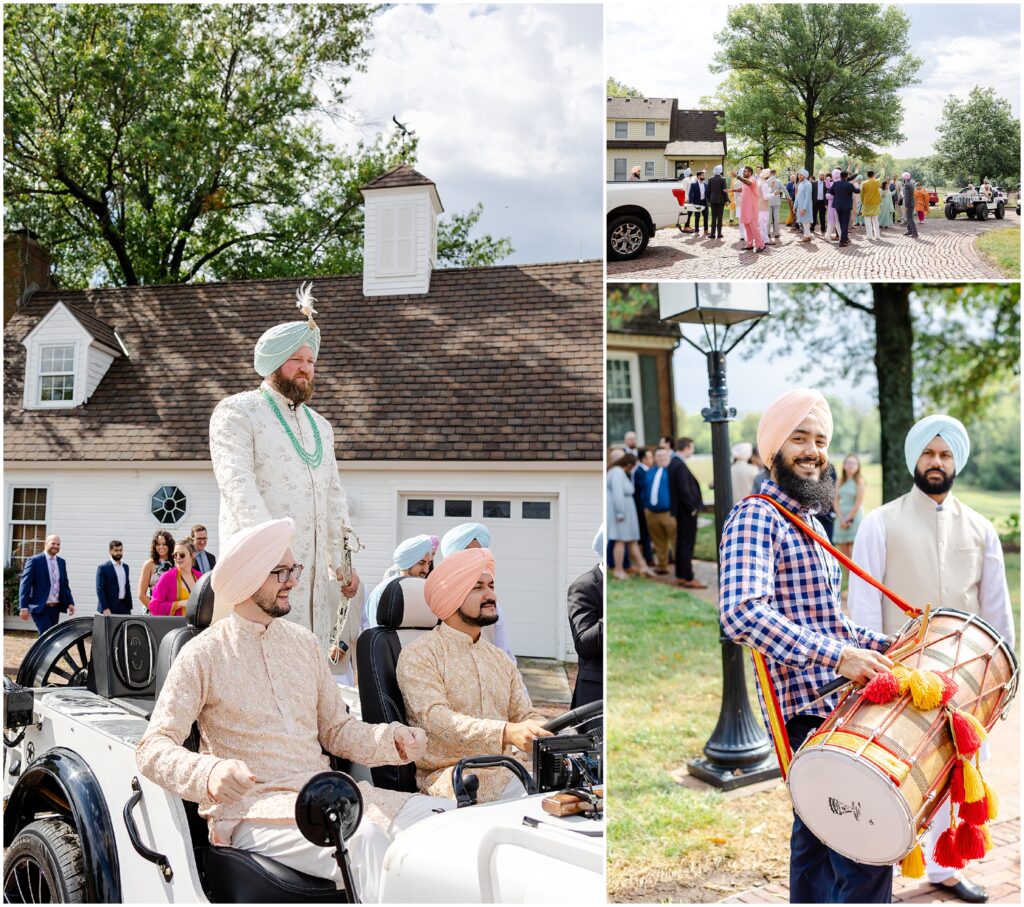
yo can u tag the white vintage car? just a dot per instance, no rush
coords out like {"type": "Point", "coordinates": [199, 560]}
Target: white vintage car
{"type": "Point", "coordinates": [81, 825]}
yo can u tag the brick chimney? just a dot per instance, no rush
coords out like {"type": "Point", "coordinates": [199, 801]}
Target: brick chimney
{"type": "Point", "coordinates": [26, 270]}
{"type": "Point", "coordinates": [399, 233]}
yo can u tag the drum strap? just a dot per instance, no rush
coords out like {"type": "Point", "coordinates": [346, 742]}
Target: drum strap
{"type": "Point", "coordinates": [775, 719]}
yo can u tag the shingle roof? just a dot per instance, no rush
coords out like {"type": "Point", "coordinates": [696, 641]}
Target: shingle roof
{"type": "Point", "coordinates": [697, 126]}
{"type": "Point", "coordinates": [402, 175]}
{"type": "Point", "coordinates": [100, 330]}
{"type": "Point", "coordinates": [498, 363]}
{"type": "Point", "coordinates": [640, 108]}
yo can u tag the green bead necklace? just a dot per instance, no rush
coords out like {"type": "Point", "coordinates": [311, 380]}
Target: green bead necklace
{"type": "Point", "coordinates": [310, 459]}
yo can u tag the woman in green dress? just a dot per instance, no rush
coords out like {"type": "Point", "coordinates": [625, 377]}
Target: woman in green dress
{"type": "Point", "coordinates": [887, 212]}
{"type": "Point", "coordinates": [849, 504]}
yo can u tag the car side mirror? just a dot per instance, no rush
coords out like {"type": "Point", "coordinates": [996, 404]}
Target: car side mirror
{"type": "Point", "coordinates": [329, 808]}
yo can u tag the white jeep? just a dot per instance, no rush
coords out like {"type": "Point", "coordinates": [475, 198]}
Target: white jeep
{"type": "Point", "coordinates": [977, 205]}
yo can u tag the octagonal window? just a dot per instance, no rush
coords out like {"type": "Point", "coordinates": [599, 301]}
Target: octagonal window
{"type": "Point", "coordinates": [168, 504]}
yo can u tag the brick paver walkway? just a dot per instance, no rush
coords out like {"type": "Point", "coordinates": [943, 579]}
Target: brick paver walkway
{"type": "Point", "coordinates": [943, 251]}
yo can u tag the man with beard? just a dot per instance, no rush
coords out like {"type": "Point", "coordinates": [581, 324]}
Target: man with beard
{"type": "Point", "coordinates": [465, 693]}
{"type": "Point", "coordinates": [267, 708]}
{"type": "Point", "coordinates": [928, 546]}
{"type": "Point", "coordinates": [780, 595]}
{"type": "Point", "coordinates": [273, 457]}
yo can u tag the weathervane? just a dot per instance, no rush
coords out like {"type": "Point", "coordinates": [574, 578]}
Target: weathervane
{"type": "Point", "coordinates": [405, 133]}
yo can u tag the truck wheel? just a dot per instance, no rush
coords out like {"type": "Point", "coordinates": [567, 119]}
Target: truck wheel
{"type": "Point", "coordinates": [981, 210]}
{"type": "Point", "coordinates": [44, 865]}
{"type": "Point", "coordinates": [951, 212]}
{"type": "Point", "coordinates": [971, 213]}
{"type": "Point", "coordinates": [1000, 211]}
{"type": "Point", "coordinates": [627, 237]}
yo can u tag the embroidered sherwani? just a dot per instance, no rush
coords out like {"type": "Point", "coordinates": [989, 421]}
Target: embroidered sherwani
{"type": "Point", "coordinates": [265, 696]}
{"type": "Point", "coordinates": [261, 477]}
{"type": "Point", "coordinates": [462, 693]}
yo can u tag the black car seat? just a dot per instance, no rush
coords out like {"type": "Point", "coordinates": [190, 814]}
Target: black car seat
{"type": "Point", "coordinates": [230, 875]}
{"type": "Point", "coordinates": [402, 616]}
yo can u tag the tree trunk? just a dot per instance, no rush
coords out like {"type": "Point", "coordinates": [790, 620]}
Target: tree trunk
{"type": "Point", "coordinates": [894, 369]}
{"type": "Point", "coordinates": [810, 130]}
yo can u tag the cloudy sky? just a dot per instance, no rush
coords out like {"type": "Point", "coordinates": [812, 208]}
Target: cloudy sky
{"type": "Point", "coordinates": [508, 103]}
{"type": "Point", "coordinates": [962, 45]}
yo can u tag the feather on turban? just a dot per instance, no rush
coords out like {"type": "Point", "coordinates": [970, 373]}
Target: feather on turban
{"type": "Point", "coordinates": [246, 561]}
{"type": "Point", "coordinates": [781, 419]}
{"type": "Point", "coordinates": [949, 429]}
{"type": "Point", "coordinates": [412, 551]}
{"type": "Point", "coordinates": [458, 539]}
{"type": "Point", "coordinates": [454, 578]}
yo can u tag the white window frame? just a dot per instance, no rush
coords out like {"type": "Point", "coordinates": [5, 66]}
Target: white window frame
{"type": "Point", "coordinates": [173, 483]}
{"type": "Point", "coordinates": [625, 169]}
{"type": "Point", "coordinates": [625, 129]}
{"type": "Point", "coordinates": [390, 240]}
{"type": "Point", "coordinates": [637, 393]}
{"type": "Point", "coordinates": [649, 170]}
{"type": "Point", "coordinates": [650, 129]}
{"type": "Point", "coordinates": [12, 522]}
{"type": "Point", "coordinates": [40, 374]}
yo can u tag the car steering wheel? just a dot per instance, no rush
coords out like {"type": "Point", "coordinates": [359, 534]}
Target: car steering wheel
{"type": "Point", "coordinates": [588, 719]}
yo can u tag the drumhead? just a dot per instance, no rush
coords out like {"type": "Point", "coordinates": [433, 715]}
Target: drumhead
{"type": "Point", "coordinates": [851, 806]}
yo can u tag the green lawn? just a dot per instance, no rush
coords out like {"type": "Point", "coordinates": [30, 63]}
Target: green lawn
{"type": "Point", "coordinates": [1002, 248]}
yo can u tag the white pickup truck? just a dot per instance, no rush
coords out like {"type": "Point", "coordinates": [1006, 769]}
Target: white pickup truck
{"type": "Point", "coordinates": [634, 210]}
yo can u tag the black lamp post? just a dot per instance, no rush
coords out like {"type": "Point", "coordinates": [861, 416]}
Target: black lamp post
{"type": "Point", "coordinates": [738, 752]}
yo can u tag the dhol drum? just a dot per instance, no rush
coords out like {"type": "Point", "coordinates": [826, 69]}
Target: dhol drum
{"type": "Point", "coordinates": [870, 778]}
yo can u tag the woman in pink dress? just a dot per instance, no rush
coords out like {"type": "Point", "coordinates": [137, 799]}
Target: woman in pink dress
{"type": "Point", "coordinates": [173, 588]}
{"type": "Point", "coordinates": [749, 210]}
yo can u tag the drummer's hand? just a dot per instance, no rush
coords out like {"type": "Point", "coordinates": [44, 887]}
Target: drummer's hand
{"type": "Point", "coordinates": [860, 665]}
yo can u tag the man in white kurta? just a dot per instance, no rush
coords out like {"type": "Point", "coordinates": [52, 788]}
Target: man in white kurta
{"type": "Point", "coordinates": [273, 456]}
{"type": "Point", "coordinates": [930, 547]}
{"type": "Point", "coordinates": [464, 692]}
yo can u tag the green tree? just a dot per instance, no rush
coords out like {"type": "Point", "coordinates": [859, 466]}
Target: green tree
{"type": "Point", "coordinates": [617, 89]}
{"type": "Point", "coordinates": [172, 143]}
{"type": "Point", "coordinates": [995, 444]}
{"type": "Point", "coordinates": [750, 120]}
{"type": "Point", "coordinates": [978, 137]}
{"type": "Point", "coordinates": [837, 69]}
{"type": "Point", "coordinates": [948, 348]}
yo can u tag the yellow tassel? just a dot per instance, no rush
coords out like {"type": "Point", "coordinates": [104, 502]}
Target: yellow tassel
{"type": "Point", "coordinates": [974, 784]}
{"type": "Point", "coordinates": [925, 689]}
{"type": "Point", "coordinates": [912, 866]}
{"type": "Point", "coordinates": [992, 800]}
{"type": "Point", "coordinates": [988, 837]}
{"type": "Point", "coordinates": [978, 726]}
{"type": "Point", "coordinates": [902, 675]}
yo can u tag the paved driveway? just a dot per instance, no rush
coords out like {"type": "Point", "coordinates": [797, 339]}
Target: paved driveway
{"type": "Point", "coordinates": [943, 251]}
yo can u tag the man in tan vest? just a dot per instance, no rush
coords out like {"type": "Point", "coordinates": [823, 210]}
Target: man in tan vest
{"type": "Point", "coordinates": [927, 546]}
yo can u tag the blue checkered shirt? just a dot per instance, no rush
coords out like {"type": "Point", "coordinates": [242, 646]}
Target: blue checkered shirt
{"type": "Point", "coordinates": [780, 594]}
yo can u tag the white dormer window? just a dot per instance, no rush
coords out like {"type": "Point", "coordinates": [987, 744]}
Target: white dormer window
{"type": "Point", "coordinates": [396, 241]}
{"type": "Point", "coordinates": [57, 375]}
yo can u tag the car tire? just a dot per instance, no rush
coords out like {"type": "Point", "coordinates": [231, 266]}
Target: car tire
{"type": "Point", "coordinates": [627, 237]}
{"type": "Point", "coordinates": [44, 865]}
{"type": "Point", "coordinates": [971, 214]}
{"type": "Point", "coordinates": [981, 210]}
{"type": "Point", "coordinates": [951, 212]}
{"type": "Point", "coordinates": [1000, 211]}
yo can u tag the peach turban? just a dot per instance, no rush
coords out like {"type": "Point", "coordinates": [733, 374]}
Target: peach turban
{"type": "Point", "coordinates": [781, 419]}
{"type": "Point", "coordinates": [454, 578]}
{"type": "Point", "coordinates": [246, 561]}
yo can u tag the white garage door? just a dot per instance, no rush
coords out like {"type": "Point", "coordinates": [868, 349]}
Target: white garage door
{"type": "Point", "coordinates": [524, 538]}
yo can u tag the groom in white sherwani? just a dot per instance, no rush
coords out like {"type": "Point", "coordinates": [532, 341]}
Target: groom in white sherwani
{"type": "Point", "coordinates": [273, 457]}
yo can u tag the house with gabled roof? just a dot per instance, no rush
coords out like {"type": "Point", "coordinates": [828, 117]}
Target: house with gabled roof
{"type": "Point", "coordinates": [655, 135]}
{"type": "Point", "coordinates": [455, 394]}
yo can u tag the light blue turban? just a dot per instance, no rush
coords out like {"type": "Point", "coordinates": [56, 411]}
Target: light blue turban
{"type": "Point", "coordinates": [458, 539]}
{"type": "Point", "coordinates": [949, 429]}
{"type": "Point", "coordinates": [277, 345]}
{"type": "Point", "coordinates": [599, 542]}
{"type": "Point", "coordinates": [412, 551]}
{"type": "Point", "coordinates": [717, 170]}
{"type": "Point", "coordinates": [804, 174]}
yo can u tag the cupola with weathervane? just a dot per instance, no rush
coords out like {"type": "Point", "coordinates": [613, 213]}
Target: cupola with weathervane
{"type": "Point", "coordinates": [401, 208]}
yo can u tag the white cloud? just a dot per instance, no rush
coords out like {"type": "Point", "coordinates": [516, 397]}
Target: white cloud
{"type": "Point", "coordinates": [508, 105]}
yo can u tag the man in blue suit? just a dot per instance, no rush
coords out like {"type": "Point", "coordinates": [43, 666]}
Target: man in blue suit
{"type": "Point", "coordinates": [842, 201]}
{"type": "Point", "coordinates": [699, 196]}
{"type": "Point", "coordinates": [44, 590]}
{"type": "Point", "coordinates": [112, 590]}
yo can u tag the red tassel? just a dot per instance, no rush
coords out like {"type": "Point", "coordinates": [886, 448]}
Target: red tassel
{"type": "Point", "coordinates": [956, 783]}
{"type": "Point", "coordinates": [882, 688]}
{"type": "Point", "coordinates": [949, 687]}
{"type": "Point", "coordinates": [970, 842]}
{"type": "Point", "coordinates": [964, 734]}
{"type": "Point", "coordinates": [946, 853]}
{"type": "Point", "coordinates": [975, 813]}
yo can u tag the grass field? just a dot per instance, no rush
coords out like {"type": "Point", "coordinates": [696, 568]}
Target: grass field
{"type": "Point", "coordinates": [668, 842]}
{"type": "Point", "coordinates": [1002, 248]}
